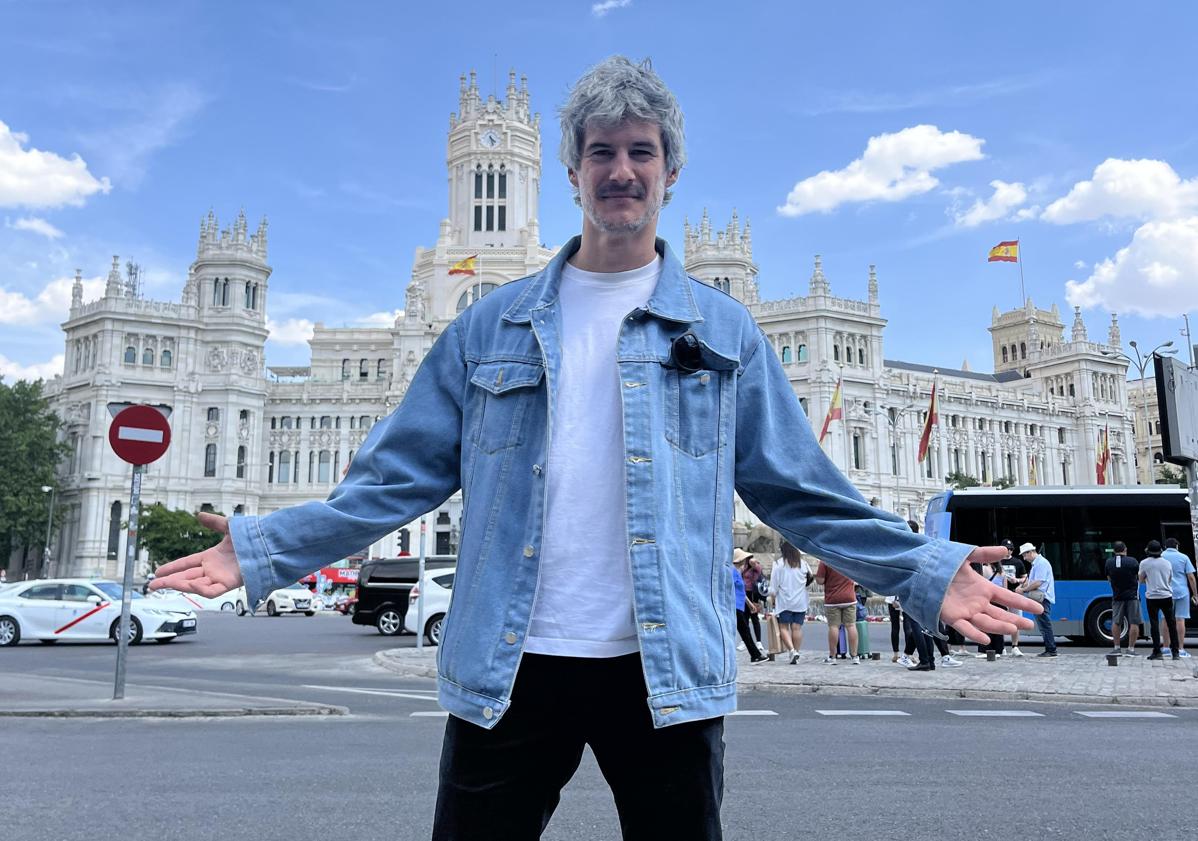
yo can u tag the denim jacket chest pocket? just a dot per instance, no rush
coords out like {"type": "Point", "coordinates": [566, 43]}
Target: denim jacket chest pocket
{"type": "Point", "coordinates": [695, 399]}
{"type": "Point", "coordinates": [502, 395]}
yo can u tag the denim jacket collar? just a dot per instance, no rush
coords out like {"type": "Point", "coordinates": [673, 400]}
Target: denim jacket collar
{"type": "Point", "coordinates": [672, 299]}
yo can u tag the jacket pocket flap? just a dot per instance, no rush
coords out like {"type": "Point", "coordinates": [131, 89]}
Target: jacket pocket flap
{"type": "Point", "coordinates": [499, 377]}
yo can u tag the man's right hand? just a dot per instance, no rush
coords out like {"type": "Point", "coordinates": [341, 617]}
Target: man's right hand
{"type": "Point", "coordinates": [209, 573]}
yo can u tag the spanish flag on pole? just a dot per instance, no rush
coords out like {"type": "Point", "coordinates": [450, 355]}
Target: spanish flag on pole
{"type": "Point", "coordinates": [1005, 252]}
{"type": "Point", "coordinates": [925, 440]}
{"type": "Point", "coordinates": [1104, 454]}
{"type": "Point", "coordinates": [464, 266]}
{"type": "Point", "coordinates": [1032, 474]}
{"type": "Point", "coordinates": [835, 411]}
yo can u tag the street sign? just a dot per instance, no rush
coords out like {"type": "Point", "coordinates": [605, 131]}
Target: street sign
{"type": "Point", "coordinates": [139, 435]}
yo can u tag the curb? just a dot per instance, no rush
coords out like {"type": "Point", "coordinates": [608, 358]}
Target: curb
{"type": "Point", "coordinates": [235, 712]}
{"type": "Point", "coordinates": [405, 666]}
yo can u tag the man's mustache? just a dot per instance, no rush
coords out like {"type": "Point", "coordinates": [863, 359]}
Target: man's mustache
{"type": "Point", "coordinates": [613, 192]}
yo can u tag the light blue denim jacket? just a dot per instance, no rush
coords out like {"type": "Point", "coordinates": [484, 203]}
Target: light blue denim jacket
{"type": "Point", "coordinates": [478, 415]}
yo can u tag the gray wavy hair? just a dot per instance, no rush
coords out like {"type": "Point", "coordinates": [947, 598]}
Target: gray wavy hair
{"type": "Point", "coordinates": [612, 92]}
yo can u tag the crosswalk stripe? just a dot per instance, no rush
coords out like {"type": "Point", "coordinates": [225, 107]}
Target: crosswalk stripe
{"type": "Point", "coordinates": [430, 714]}
{"type": "Point", "coordinates": [1124, 714]}
{"type": "Point", "coordinates": [862, 712]}
{"type": "Point", "coordinates": [753, 712]}
{"type": "Point", "coordinates": [996, 713]}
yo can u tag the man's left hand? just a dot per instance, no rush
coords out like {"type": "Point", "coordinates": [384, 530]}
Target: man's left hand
{"type": "Point", "coordinates": [970, 605]}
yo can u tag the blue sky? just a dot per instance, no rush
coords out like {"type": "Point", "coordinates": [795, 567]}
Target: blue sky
{"type": "Point", "coordinates": [913, 136]}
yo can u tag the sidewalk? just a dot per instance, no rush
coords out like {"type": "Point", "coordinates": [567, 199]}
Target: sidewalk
{"type": "Point", "coordinates": [1081, 677]}
{"type": "Point", "coordinates": [60, 697]}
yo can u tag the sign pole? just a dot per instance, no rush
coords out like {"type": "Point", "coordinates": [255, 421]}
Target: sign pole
{"type": "Point", "coordinates": [420, 584]}
{"type": "Point", "coordinates": [118, 691]}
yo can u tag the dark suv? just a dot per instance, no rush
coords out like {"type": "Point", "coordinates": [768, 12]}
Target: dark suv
{"type": "Point", "coordinates": [383, 588]}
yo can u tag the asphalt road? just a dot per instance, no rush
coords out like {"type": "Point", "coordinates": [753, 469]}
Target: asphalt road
{"type": "Point", "coordinates": [851, 767]}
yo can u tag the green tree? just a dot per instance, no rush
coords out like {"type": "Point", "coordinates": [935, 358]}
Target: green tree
{"type": "Point", "coordinates": [1166, 475]}
{"type": "Point", "coordinates": [1004, 482]}
{"type": "Point", "coordinates": [29, 456]}
{"type": "Point", "coordinates": [168, 534]}
{"type": "Point", "coordinates": [960, 480]}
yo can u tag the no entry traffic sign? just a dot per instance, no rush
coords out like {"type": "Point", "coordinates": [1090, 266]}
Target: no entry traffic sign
{"type": "Point", "coordinates": [139, 435]}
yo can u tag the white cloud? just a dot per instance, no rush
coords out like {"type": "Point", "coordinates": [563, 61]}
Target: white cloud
{"type": "Point", "coordinates": [35, 225]}
{"type": "Point", "coordinates": [1006, 198]}
{"type": "Point", "coordinates": [12, 371]}
{"type": "Point", "coordinates": [1139, 189]}
{"type": "Point", "coordinates": [1153, 276]}
{"type": "Point", "coordinates": [33, 178]}
{"type": "Point", "coordinates": [894, 167]}
{"type": "Point", "coordinates": [292, 331]}
{"type": "Point", "coordinates": [601, 9]}
{"type": "Point", "coordinates": [381, 319]}
{"type": "Point", "coordinates": [1080, 265]}
{"type": "Point", "coordinates": [51, 305]}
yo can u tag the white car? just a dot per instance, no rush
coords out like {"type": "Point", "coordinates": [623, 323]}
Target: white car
{"type": "Point", "coordinates": [234, 600]}
{"type": "Point", "coordinates": [437, 588]}
{"type": "Point", "coordinates": [294, 598]}
{"type": "Point", "coordinates": [56, 609]}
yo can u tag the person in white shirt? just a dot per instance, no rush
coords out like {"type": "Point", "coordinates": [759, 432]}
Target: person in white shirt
{"type": "Point", "coordinates": [789, 581]}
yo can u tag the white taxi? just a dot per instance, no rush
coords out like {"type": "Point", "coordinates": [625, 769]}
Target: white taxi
{"type": "Point", "coordinates": [50, 610]}
{"type": "Point", "coordinates": [234, 600]}
{"type": "Point", "coordinates": [294, 598]}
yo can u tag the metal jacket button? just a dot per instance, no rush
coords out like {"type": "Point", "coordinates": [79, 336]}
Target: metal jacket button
{"type": "Point", "coordinates": [529, 551]}
{"type": "Point", "coordinates": [509, 638]}
{"type": "Point", "coordinates": [488, 713]}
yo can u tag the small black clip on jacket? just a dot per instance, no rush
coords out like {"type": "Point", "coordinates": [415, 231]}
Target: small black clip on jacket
{"type": "Point", "coordinates": [686, 353]}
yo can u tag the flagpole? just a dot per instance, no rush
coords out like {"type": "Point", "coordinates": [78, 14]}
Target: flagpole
{"type": "Point", "coordinates": [1022, 288]}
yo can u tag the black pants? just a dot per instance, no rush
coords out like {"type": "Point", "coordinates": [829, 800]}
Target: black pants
{"type": "Point", "coordinates": [742, 626]}
{"type": "Point", "coordinates": [755, 618]}
{"type": "Point", "coordinates": [1162, 606]}
{"type": "Point", "coordinates": [925, 644]}
{"type": "Point", "coordinates": [896, 619]}
{"type": "Point", "coordinates": [503, 784]}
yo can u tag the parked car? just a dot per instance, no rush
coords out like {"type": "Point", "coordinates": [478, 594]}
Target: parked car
{"type": "Point", "coordinates": [437, 587]}
{"type": "Point", "coordinates": [384, 585]}
{"type": "Point", "coordinates": [233, 601]}
{"type": "Point", "coordinates": [294, 598]}
{"type": "Point", "coordinates": [345, 605]}
{"type": "Point", "coordinates": [50, 610]}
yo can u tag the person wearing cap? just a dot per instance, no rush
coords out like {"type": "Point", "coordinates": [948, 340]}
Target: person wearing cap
{"type": "Point", "coordinates": [1015, 571]}
{"type": "Point", "coordinates": [1040, 586]}
{"type": "Point", "coordinates": [1157, 575]}
{"type": "Point", "coordinates": [740, 562]}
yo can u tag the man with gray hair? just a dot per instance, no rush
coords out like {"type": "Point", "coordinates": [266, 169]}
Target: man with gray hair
{"type": "Point", "coordinates": [598, 417]}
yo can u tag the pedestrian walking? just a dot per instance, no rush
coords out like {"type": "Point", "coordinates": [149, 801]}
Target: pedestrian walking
{"type": "Point", "coordinates": [1157, 575]}
{"type": "Point", "coordinates": [1040, 587]}
{"type": "Point", "coordinates": [1015, 571]}
{"type": "Point", "coordinates": [788, 597]}
{"type": "Point", "coordinates": [840, 608]}
{"type": "Point", "coordinates": [755, 582]}
{"type": "Point", "coordinates": [598, 416]}
{"type": "Point", "coordinates": [925, 643]}
{"type": "Point", "coordinates": [1185, 592]}
{"type": "Point", "coordinates": [895, 611]}
{"type": "Point", "coordinates": [740, 559]}
{"type": "Point", "coordinates": [1123, 571]}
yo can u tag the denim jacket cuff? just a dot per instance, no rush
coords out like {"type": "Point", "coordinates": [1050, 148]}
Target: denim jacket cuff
{"type": "Point", "coordinates": [252, 556]}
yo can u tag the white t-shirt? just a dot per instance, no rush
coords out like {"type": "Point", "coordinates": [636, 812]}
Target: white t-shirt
{"type": "Point", "coordinates": [584, 598]}
{"type": "Point", "coordinates": [788, 586]}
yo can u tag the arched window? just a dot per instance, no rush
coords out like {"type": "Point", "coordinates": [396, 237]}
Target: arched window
{"type": "Point", "coordinates": [326, 463]}
{"type": "Point", "coordinates": [224, 293]}
{"type": "Point", "coordinates": [213, 413]}
{"type": "Point", "coordinates": [270, 469]}
{"type": "Point", "coordinates": [311, 465]}
{"type": "Point", "coordinates": [147, 356]}
{"type": "Point", "coordinates": [381, 370]}
{"type": "Point", "coordinates": [326, 422]}
{"type": "Point", "coordinates": [1004, 353]}
{"type": "Point", "coordinates": [474, 293]}
{"type": "Point", "coordinates": [861, 356]}
{"type": "Point", "coordinates": [345, 369]}
{"type": "Point", "coordinates": [786, 359]}
{"type": "Point", "coordinates": [848, 354]}
{"type": "Point", "coordinates": [858, 452]}
{"type": "Point", "coordinates": [241, 462]}
{"type": "Point", "coordinates": [210, 460]}
{"type": "Point", "coordinates": [114, 530]}
{"type": "Point", "coordinates": [835, 353]}
{"type": "Point", "coordinates": [284, 467]}
{"type": "Point", "coordinates": [802, 357]}
{"type": "Point", "coordinates": [364, 422]}
{"type": "Point", "coordinates": [1022, 350]}
{"type": "Point", "coordinates": [166, 359]}
{"type": "Point", "coordinates": [363, 369]}
{"type": "Point", "coordinates": [247, 294]}
{"type": "Point", "coordinates": [287, 422]}
{"type": "Point", "coordinates": [1071, 394]}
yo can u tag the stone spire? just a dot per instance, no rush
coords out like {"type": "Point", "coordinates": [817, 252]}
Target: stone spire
{"type": "Point", "coordinates": [1113, 338]}
{"type": "Point", "coordinates": [77, 290]}
{"type": "Point", "coordinates": [873, 284]}
{"type": "Point", "coordinates": [819, 284]}
{"type": "Point", "coordinates": [705, 227]}
{"type": "Point", "coordinates": [1079, 326]}
{"type": "Point", "coordinates": [116, 285]}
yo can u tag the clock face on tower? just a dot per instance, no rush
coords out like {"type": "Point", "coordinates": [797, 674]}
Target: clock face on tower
{"type": "Point", "coordinates": [489, 139]}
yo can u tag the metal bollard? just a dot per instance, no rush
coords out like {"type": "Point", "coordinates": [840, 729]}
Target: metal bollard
{"type": "Point", "coordinates": [1112, 659]}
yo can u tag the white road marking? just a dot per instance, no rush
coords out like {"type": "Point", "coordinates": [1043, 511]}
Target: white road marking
{"type": "Point", "coordinates": [432, 714]}
{"type": "Point", "coordinates": [133, 433]}
{"type": "Point", "coordinates": [996, 713]}
{"type": "Point", "coordinates": [388, 692]}
{"type": "Point", "coordinates": [862, 712]}
{"type": "Point", "coordinates": [752, 712]}
{"type": "Point", "coordinates": [1124, 714]}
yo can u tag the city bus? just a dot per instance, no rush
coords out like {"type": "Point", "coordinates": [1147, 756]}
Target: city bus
{"type": "Point", "coordinates": [1073, 528]}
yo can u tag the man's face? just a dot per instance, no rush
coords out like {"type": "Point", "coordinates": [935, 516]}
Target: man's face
{"type": "Point", "coordinates": [622, 178]}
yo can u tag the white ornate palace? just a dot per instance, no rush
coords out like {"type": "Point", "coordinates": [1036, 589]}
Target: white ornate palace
{"type": "Point", "coordinates": [252, 439]}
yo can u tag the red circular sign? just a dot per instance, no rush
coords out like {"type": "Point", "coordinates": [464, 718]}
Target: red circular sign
{"type": "Point", "coordinates": [139, 434]}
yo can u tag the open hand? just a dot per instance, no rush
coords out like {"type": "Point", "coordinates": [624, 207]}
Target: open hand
{"type": "Point", "coordinates": [969, 604]}
{"type": "Point", "coordinates": [209, 573]}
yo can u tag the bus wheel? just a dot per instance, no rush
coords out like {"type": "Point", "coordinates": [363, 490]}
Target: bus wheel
{"type": "Point", "coordinates": [1098, 623]}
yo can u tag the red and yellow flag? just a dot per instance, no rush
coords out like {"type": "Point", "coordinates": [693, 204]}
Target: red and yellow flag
{"type": "Point", "coordinates": [464, 266]}
{"type": "Point", "coordinates": [1005, 252]}
{"type": "Point", "coordinates": [835, 411]}
{"type": "Point", "coordinates": [925, 440]}
{"type": "Point", "coordinates": [1104, 454]}
{"type": "Point", "coordinates": [1032, 477]}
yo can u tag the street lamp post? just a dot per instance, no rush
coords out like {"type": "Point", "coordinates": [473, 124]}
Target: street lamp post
{"type": "Point", "coordinates": [893, 423]}
{"type": "Point", "coordinates": [48, 489]}
{"type": "Point", "coordinates": [1141, 362]}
